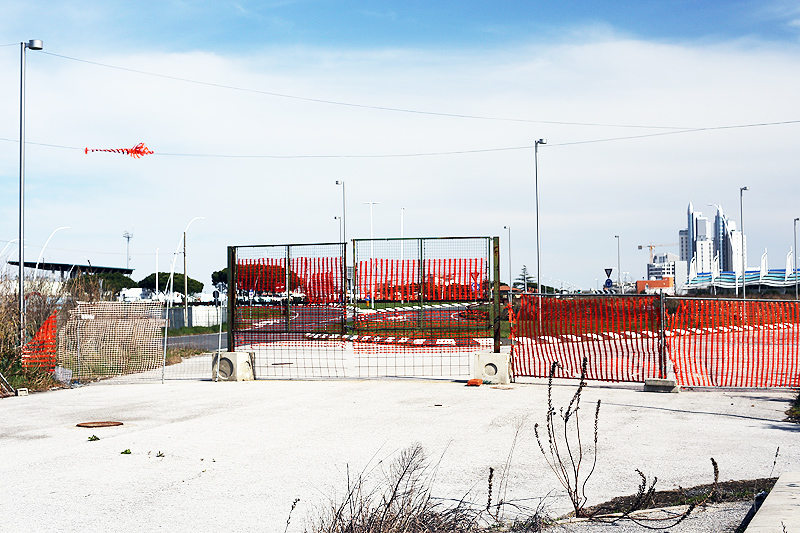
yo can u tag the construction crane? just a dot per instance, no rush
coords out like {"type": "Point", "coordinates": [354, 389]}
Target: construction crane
{"type": "Point", "coordinates": [652, 246]}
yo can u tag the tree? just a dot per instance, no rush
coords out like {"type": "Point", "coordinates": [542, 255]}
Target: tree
{"type": "Point", "coordinates": [219, 279]}
{"type": "Point", "coordinates": [149, 283]}
{"type": "Point", "coordinates": [113, 282]}
{"type": "Point", "coordinates": [525, 280]}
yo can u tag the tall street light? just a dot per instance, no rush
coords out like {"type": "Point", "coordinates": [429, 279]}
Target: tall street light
{"type": "Point", "coordinates": [344, 232]}
{"type": "Point", "coordinates": [156, 271]}
{"type": "Point", "coordinates": [340, 227]}
{"type": "Point", "coordinates": [510, 284]}
{"type": "Point", "coordinates": [402, 244]}
{"type": "Point", "coordinates": [344, 210]}
{"type": "Point", "coordinates": [186, 277]}
{"type": "Point", "coordinates": [9, 243]}
{"type": "Point", "coordinates": [795, 258]}
{"type": "Point", "coordinates": [741, 229]}
{"type": "Point", "coordinates": [371, 257]}
{"type": "Point", "coordinates": [39, 259]}
{"type": "Point", "coordinates": [538, 249]}
{"type": "Point", "coordinates": [619, 267]}
{"type": "Point", "coordinates": [34, 44]}
{"type": "Point", "coordinates": [127, 235]}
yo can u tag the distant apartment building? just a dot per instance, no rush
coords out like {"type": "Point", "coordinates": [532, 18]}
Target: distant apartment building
{"type": "Point", "coordinates": [712, 247]}
{"type": "Point", "coordinates": [668, 266]}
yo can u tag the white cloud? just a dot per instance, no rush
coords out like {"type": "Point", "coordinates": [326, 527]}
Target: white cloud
{"type": "Point", "coordinates": [636, 188]}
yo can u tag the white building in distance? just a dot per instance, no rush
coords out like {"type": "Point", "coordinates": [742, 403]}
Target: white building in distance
{"type": "Point", "coordinates": [712, 247]}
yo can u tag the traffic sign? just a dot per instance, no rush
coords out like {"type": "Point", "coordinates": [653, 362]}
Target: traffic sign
{"type": "Point", "coordinates": [608, 284]}
{"type": "Point", "coordinates": [608, 272]}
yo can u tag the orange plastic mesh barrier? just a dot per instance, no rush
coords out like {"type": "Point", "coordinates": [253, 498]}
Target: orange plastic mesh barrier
{"type": "Point", "coordinates": [397, 280]}
{"type": "Point", "coordinates": [619, 336]}
{"type": "Point", "coordinates": [41, 350]}
{"type": "Point", "coordinates": [317, 280]}
{"type": "Point", "coordinates": [735, 343]}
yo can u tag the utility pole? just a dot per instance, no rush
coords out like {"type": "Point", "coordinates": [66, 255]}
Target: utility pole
{"type": "Point", "coordinates": [127, 236]}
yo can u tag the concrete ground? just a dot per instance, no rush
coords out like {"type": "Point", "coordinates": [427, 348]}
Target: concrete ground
{"type": "Point", "coordinates": [236, 455]}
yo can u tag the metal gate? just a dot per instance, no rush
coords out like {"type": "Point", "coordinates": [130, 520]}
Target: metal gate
{"type": "Point", "coordinates": [287, 304]}
{"type": "Point", "coordinates": [422, 306]}
{"type": "Point", "coordinates": [411, 307]}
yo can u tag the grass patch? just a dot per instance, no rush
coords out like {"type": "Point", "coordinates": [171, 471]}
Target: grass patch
{"type": "Point", "coordinates": [727, 491]}
{"type": "Point", "coordinates": [197, 330]}
{"type": "Point", "coordinates": [793, 413]}
{"type": "Point", "coordinates": [34, 379]}
{"type": "Point", "coordinates": [178, 353]}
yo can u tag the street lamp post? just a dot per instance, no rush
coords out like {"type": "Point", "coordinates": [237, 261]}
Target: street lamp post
{"type": "Point", "coordinates": [39, 259]}
{"type": "Point", "coordinates": [340, 226]}
{"type": "Point", "coordinates": [371, 258]}
{"type": "Point", "coordinates": [402, 246]}
{"type": "Point", "coordinates": [538, 248]}
{"type": "Point", "coordinates": [741, 229]}
{"type": "Point", "coordinates": [127, 236]}
{"type": "Point", "coordinates": [344, 209]}
{"type": "Point", "coordinates": [9, 243]}
{"type": "Point", "coordinates": [510, 283]}
{"type": "Point", "coordinates": [619, 266]}
{"type": "Point", "coordinates": [34, 44]}
{"type": "Point", "coordinates": [795, 257]}
{"type": "Point", "coordinates": [344, 235]}
{"type": "Point", "coordinates": [186, 277]}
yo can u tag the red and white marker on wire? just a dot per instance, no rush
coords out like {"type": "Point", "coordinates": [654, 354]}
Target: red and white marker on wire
{"type": "Point", "coordinates": [137, 151]}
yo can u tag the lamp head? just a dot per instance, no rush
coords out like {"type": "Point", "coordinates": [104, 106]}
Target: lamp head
{"type": "Point", "coordinates": [34, 44]}
{"type": "Point", "coordinates": [541, 141]}
{"type": "Point", "coordinates": [744, 189]}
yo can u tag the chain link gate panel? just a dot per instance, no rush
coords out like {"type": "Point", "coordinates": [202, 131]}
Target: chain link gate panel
{"type": "Point", "coordinates": [288, 306]}
{"type": "Point", "coordinates": [422, 305]}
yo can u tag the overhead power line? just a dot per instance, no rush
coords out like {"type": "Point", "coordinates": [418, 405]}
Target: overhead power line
{"type": "Point", "coordinates": [361, 106]}
{"type": "Point", "coordinates": [441, 153]}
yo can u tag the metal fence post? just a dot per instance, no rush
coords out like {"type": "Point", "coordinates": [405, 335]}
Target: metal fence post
{"type": "Point", "coordinates": [496, 291]}
{"type": "Point", "coordinates": [420, 245]}
{"type": "Point", "coordinates": [231, 298]}
{"type": "Point", "coordinates": [288, 288]}
{"type": "Point", "coordinates": [662, 347]}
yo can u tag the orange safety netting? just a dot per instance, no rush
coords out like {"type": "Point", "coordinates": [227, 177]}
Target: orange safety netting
{"type": "Point", "coordinates": [711, 343]}
{"type": "Point", "coordinates": [41, 350]}
{"type": "Point", "coordinates": [397, 280]}
{"type": "Point", "coordinates": [315, 280]}
{"type": "Point", "coordinates": [618, 336]}
{"type": "Point", "coordinates": [137, 151]}
{"type": "Point", "coordinates": [734, 343]}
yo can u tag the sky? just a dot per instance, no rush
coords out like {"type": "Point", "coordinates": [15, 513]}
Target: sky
{"type": "Point", "coordinates": [255, 109]}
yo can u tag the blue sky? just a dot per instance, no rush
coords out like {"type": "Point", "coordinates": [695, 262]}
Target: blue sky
{"type": "Point", "coordinates": [184, 26]}
{"type": "Point", "coordinates": [571, 72]}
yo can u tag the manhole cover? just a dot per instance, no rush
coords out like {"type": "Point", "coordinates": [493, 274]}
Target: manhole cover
{"type": "Point", "coordinates": [106, 424]}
